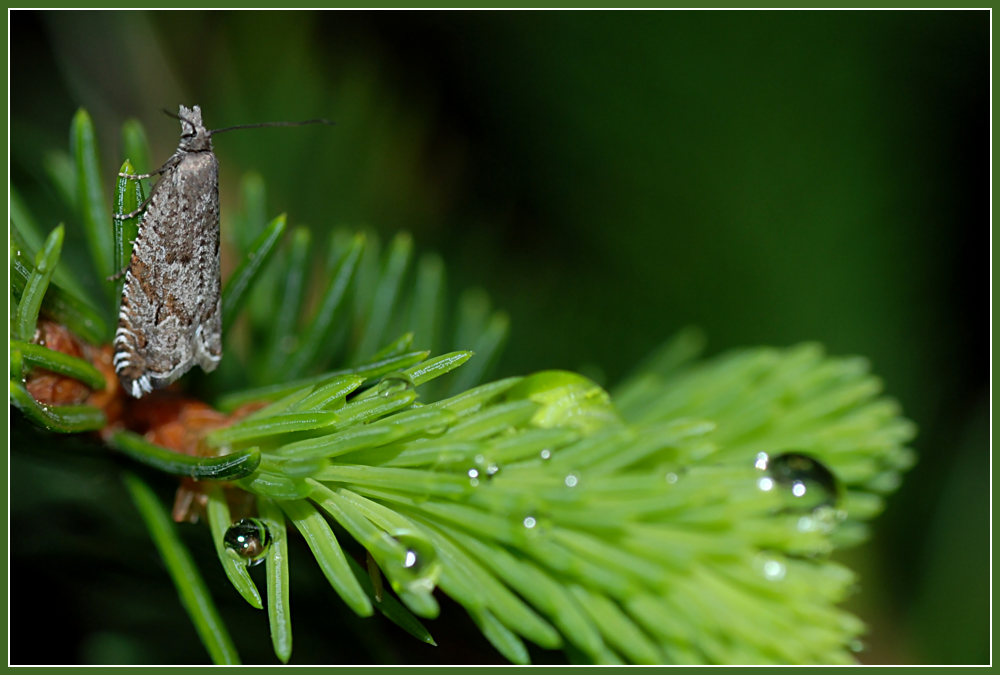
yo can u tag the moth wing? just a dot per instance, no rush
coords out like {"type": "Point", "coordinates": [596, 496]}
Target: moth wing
{"type": "Point", "coordinates": [170, 318]}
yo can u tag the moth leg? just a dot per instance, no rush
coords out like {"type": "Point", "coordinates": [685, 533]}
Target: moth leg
{"type": "Point", "coordinates": [143, 176]}
{"type": "Point", "coordinates": [170, 164]}
{"type": "Point", "coordinates": [119, 274]}
{"type": "Point", "coordinates": [126, 216]}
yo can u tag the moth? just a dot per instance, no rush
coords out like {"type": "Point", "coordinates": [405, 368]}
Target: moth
{"type": "Point", "coordinates": [171, 309]}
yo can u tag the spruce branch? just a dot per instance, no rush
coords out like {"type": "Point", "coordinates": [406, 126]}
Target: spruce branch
{"type": "Point", "coordinates": [686, 517]}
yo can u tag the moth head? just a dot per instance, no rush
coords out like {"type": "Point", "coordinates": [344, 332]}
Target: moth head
{"type": "Point", "coordinates": [194, 136]}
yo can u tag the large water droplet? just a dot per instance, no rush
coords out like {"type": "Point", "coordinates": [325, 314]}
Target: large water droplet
{"type": "Point", "coordinates": [394, 383]}
{"type": "Point", "coordinates": [417, 568]}
{"type": "Point", "coordinates": [248, 539]}
{"type": "Point", "coordinates": [806, 483]}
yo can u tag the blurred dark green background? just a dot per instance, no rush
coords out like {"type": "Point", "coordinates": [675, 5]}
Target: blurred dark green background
{"type": "Point", "coordinates": [608, 178]}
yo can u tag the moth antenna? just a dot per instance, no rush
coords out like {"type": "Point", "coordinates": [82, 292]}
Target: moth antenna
{"type": "Point", "coordinates": [271, 124]}
{"type": "Point", "coordinates": [178, 117]}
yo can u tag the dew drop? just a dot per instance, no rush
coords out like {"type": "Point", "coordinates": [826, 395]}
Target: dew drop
{"type": "Point", "coordinates": [774, 570]}
{"type": "Point", "coordinates": [671, 477]}
{"type": "Point", "coordinates": [761, 462]}
{"type": "Point", "coordinates": [417, 567]}
{"type": "Point", "coordinates": [769, 567]}
{"type": "Point", "coordinates": [474, 482]}
{"type": "Point", "coordinates": [529, 522]}
{"type": "Point", "coordinates": [572, 479]}
{"type": "Point", "coordinates": [394, 383]}
{"type": "Point", "coordinates": [473, 473]}
{"type": "Point", "coordinates": [856, 646]}
{"type": "Point", "coordinates": [419, 549]}
{"type": "Point", "coordinates": [807, 483]}
{"type": "Point", "coordinates": [546, 453]}
{"type": "Point", "coordinates": [479, 459]}
{"type": "Point", "coordinates": [492, 469]}
{"type": "Point", "coordinates": [248, 539]}
{"type": "Point", "coordinates": [765, 484]}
